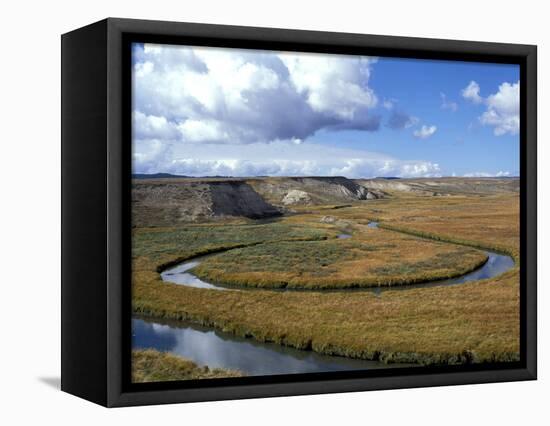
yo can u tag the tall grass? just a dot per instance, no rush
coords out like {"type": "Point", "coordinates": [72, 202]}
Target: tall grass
{"type": "Point", "coordinates": [476, 322]}
{"type": "Point", "coordinates": [333, 264]}
{"type": "Point", "coordinates": [149, 365]}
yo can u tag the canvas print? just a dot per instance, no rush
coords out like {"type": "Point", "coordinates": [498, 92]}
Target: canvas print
{"type": "Point", "coordinates": [301, 213]}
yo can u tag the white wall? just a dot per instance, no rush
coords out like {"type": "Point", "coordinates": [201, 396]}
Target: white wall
{"type": "Point", "coordinates": [30, 168]}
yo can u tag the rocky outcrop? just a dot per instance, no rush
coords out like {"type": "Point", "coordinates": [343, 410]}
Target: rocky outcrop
{"type": "Point", "coordinates": [320, 190]}
{"type": "Point", "coordinates": [296, 197]}
{"type": "Point", "coordinates": [327, 219]}
{"type": "Point", "coordinates": [169, 202]}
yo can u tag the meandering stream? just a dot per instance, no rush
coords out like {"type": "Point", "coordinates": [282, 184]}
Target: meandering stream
{"type": "Point", "coordinates": [206, 346]}
{"type": "Point", "coordinates": [496, 264]}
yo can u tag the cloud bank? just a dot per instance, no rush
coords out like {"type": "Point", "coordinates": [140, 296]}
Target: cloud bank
{"type": "Point", "coordinates": [500, 173]}
{"type": "Point", "coordinates": [281, 158]}
{"type": "Point", "coordinates": [207, 111]}
{"type": "Point", "coordinates": [238, 96]}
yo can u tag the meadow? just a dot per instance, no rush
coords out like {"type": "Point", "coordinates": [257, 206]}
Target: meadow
{"type": "Point", "coordinates": [420, 238]}
{"type": "Point", "coordinates": [372, 257]}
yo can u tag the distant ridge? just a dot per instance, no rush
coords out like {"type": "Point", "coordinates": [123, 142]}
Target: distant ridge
{"type": "Point", "coordinates": [156, 176]}
{"type": "Point", "coordinates": [171, 176]}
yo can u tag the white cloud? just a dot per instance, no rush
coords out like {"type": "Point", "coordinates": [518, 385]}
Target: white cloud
{"type": "Point", "coordinates": [448, 104]}
{"type": "Point", "coordinates": [332, 85]}
{"type": "Point", "coordinates": [152, 126]}
{"type": "Point", "coordinates": [502, 111]}
{"type": "Point", "coordinates": [425, 131]}
{"type": "Point", "coordinates": [471, 93]}
{"type": "Point", "coordinates": [207, 111]}
{"type": "Point", "coordinates": [152, 156]}
{"type": "Point", "coordinates": [193, 130]}
{"type": "Point", "coordinates": [279, 158]}
{"type": "Point", "coordinates": [487, 174]}
{"type": "Point", "coordinates": [240, 96]}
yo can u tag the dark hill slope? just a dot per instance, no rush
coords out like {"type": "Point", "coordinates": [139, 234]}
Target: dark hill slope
{"type": "Point", "coordinates": [167, 202]}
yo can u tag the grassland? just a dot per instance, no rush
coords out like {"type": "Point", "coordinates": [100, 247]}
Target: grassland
{"type": "Point", "coordinates": [166, 246]}
{"type": "Point", "coordinates": [490, 222]}
{"type": "Point", "coordinates": [471, 323]}
{"type": "Point", "coordinates": [149, 365]}
{"type": "Point", "coordinates": [373, 257]}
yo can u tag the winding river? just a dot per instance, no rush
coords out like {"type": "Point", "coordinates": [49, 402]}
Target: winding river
{"type": "Point", "coordinates": [206, 346]}
{"type": "Point", "coordinates": [496, 264]}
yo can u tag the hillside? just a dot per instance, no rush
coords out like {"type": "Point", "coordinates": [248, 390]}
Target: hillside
{"type": "Point", "coordinates": [290, 191]}
{"type": "Point", "coordinates": [443, 186]}
{"type": "Point", "coordinates": [163, 202]}
{"type": "Point", "coordinates": [169, 200]}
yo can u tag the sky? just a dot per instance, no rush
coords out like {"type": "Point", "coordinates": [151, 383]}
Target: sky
{"type": "Point", "coordinates": [203, 111]}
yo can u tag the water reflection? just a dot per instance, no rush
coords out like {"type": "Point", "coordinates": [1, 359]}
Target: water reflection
{"type": "Point", "coordinates": [179, 275]}
{"type": "Point", "coordinates": [495, 265]}
{"type": "Point", "coordinates": [215, 349]}
{"type": "Point", "coordinates": [343, 236]}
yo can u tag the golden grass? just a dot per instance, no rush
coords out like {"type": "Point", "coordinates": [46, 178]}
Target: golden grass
{"type": "Point", "coordinates": [165, 246]}
{"type": "Point", "coordinates": [478, 322]}
{"type": "Point", "coordinates": [372, 257]}
{"type": "Point", "coordinates": [473, 322]}
{"type": "Point", "coordinates": [149, 365]}
{"type": "Point", "coordinates": [490, 222]}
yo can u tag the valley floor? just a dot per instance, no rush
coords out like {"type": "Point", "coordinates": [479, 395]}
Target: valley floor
{"type": "Point", "coordinates": [419, 239]}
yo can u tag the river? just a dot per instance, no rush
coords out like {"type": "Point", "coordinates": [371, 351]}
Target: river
{"type": "Point", "coordinates": [210, 347]}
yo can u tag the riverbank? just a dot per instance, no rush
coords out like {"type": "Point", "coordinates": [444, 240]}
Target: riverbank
{"type": "Point", "coordinates": [217, 349]}
{"type": "Point", "coordinates": [149, 365]}
{"type": "Point", "coordinates": [472, 323]}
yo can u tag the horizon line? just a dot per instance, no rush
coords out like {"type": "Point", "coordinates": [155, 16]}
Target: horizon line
{"type": "Point", "coordinates": [325, 176]}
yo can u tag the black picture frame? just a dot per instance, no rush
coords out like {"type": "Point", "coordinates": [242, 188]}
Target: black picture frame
{"type": "Point", "coordinates": [96, 178]}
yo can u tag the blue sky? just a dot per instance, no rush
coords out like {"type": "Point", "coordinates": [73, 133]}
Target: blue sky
{"type": "Point", "coordinates": [205, 111]}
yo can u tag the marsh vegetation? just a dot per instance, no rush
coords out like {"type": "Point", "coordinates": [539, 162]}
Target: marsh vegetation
{"type": "Point", "coordinates": [150, 365]}
{"type": "Point", "coordinates": [419, 239]}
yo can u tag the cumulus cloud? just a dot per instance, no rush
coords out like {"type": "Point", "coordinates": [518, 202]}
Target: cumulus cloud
{"type": "Point", "coordinates": [153, 126]}
{"type": "Point", "coordinates": [448, 104]}
{"type": "Point", "coordinates": [280, 158]}
{"type": "Point", "coordinates": [502, 108]}
{"type": "Point", "coordinates": [471, 93]}
{"type": "Point", "coordinates": [425, 131]}
{"type": "Point", "coordinates": [332, 85]}
{"type": "Point", "coordinates": [208, 111]}
{"type": "Point", "coordinates": [191, 94]}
